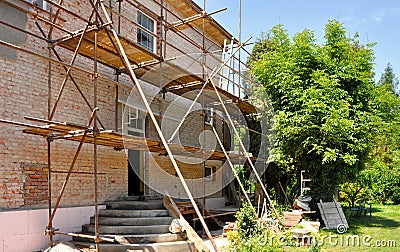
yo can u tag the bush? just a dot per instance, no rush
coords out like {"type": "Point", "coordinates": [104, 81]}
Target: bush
{"type": "Point", "coordinates": [261, 242]}
{"type": "Point", "coordinates": [246, 221]}
{"type": "Point", "coordinates": [383, 182]}
{"type": "Point", "coordinates": [249, 235]}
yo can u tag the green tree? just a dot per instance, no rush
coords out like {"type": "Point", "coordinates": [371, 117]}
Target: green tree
{"type": "Point", "coordinates": [322, 96]}
{"type": "Point", "coordinates": [389, 78]}
{"type": "Point", "coordinates": [380, 181]}
{"type": "Point", "coordinates": [382, 176]}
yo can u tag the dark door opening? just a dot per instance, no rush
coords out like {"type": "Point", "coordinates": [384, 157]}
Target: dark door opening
{"type": "Point", "coordinates": [135, 184]}
{"type": "Point", "coordinates": [135, 170]}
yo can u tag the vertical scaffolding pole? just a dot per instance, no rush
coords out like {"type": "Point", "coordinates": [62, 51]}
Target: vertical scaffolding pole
{"type": "Point", "coordinates": [117, 72]}
{"type": "Point", "coordinates": [95, 132]}
{"type": "Point", "coordinates": [244, 150]}
{"type": "Point", "coordinates": [50, 47]}
{"type": "Point", "coordinates": [240, 41]}
{"type": "Point", "coordinates": [136, 83]}
{"type": "Point", "coordinates": [160, 43]}
{"type": "Point", "coordinates": [203, 62]}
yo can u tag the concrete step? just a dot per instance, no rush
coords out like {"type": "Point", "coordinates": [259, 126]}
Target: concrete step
{"type": "Point", "coordinates": [181, 246]}
{"type": "Point", "coordinates": [141, 198]}
{"type": "Point", "coordinates": [157, 229]}
{"type": "Point", "coordinates": [132, 198]}
{"type": "Point", "coordinates": [145, 221]}
{"type": "Point", "coordinates": [139, 238]}
{"type": "Point", "coordinates": [136, 205]}
{"type": "Point", "coordinates": [153, 238]}
{"type": "Point", "coordinates": [133, 213]}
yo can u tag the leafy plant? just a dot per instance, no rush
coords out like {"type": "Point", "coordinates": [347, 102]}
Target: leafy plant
{"type": "Point", "coordinates": [352, 191]}
{"type": "Point", "coordinates": [263, 242]}
{"type": "Point", "coordinates": [321, 95]}
{"type": "Point", "coordinates": [249, 235]}
{"type": "Point", "coordinates": [246, 221]}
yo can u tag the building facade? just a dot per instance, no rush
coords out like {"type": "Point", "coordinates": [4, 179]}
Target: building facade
{"type": "Point", "coordinates": [172, 47]}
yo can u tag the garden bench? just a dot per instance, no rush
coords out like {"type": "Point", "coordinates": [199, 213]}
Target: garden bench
{"type": "Point", "coordinates": [361, 208]}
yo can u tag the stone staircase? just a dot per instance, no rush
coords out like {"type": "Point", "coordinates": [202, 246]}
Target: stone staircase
{"type": "Point", "coordinates": [135, 226]}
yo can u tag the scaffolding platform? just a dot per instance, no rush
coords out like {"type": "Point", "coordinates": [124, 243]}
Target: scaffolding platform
{"type": "Point", "coordinates": [119, 141]}
{"type": "Point", "coordinates": [107, 54]}
{"type": "Point", "coordinates": [211, 97]}
{"type": "Point", "coordinates": [190, 11]}
{"type": "Point", "coordinates": [178, 81]}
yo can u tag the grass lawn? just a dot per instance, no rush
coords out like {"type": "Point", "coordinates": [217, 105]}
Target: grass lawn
{"type": "Point", "coordinates": [381, 232]}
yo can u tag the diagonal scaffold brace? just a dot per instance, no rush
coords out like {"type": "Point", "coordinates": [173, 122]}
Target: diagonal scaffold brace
{"type": "Point", "coordinates": [245, 151]}
{"type": "Point", "coordinates": [135, 81]}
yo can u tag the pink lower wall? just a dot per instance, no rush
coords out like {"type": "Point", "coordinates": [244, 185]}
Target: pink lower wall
{"type": "Point", "coordinates": [23, 230]}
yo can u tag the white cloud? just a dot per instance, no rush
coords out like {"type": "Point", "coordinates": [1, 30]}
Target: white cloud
{"type": "Point", "coordinates": [394, 10]}
{"type": "Point", "coordinates": [378, 15]}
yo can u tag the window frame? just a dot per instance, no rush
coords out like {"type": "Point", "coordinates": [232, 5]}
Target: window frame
{"type": "Point", "coordinates": [212, 176]}
{"type": "Point", "coordinates": [126, 118]}
{"type": "Point", "coordinates": [143, 30]}
{"type": "Point", "coordinates": [42, 4]}
{"type": "Point", "coordinates": [209, 116]}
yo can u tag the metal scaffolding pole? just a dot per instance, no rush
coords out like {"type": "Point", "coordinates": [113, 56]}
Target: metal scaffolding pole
{"type": "Point", "coordinates": [245, 151]}
{"type": "Point", "coordinates": [231, 165]}
{"type": "Point", "coordinates": [69, 68]}
{"type": "Point", "coordinates": [208, 80]}
{"type": "Point", "coordinates": [97, 6]}
{"type": "Point", "coordinates": [154, 120]}
{"type": "Point", "coordinates": [49, 229]}
{"type": "Point", "coordinates": [95, 133]}
{"type": "Point", "coordinates": [50, 47]}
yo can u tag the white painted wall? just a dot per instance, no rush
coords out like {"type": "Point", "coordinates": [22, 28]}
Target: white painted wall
{"type": "Point", "coordinates": [215, 203]}
{"type": "Point", "coordinates": [23, 230]}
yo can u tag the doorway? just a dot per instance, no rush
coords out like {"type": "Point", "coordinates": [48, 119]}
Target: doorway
{"type": "Point", "coordinates": [135, 173]}
{"type": "Point", "coordinates": [132, 124]}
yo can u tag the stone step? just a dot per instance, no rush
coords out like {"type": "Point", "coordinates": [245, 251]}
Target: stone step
{"type": "Point", "coordinates": [157, 229]}
{"type": "Point", "coordinates": [130, 198]}
{"type": "Point", "coordinates": [144, 221]}
{"type": "Point", "coordinates": [135, 205]}
{"type": "Point", "coordinates": [141, 198]}
{"type": "Point", "coordinates": [181, 246]}
{"type": "Point", "coordinates": [155, 238]}
{"type": "Point", "coordinates": [139, 238]}
{"type": "Point", "coordinates": [132, 213]}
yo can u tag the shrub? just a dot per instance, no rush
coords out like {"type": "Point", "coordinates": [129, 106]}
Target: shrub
{"type": "Point", "coordinates": [249, 235]}
{"type": "Point", "coordinates": [246, 221]}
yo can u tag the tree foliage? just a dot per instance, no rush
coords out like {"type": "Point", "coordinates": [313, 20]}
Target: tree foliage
{"type": "Point", "coordinates": [322, 96]}
{"type": "Point", "coordinates": [389, 78]}
{"type": "Point", "coordinates": [382, 176]}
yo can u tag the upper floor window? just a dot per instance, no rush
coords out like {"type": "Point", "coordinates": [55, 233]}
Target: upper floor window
{"type": "Point", "coordinates": [39, 3]}
{"type": "Point", "coordinates": [144, 37]}
{"type": "Point", "coordinates": [209, 173]}
{"type": "Point", "coordinates": [209, 116]}
{"type": "Point", "coordinates": [132, 119]}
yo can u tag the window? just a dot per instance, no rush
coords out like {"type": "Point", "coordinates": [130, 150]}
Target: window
{"type": "Point", "coordinates": [209, 173]}
{"type": "Point", "coordinates": [135, 118]}
{"type": "Point", "coordinates": [144, 37]}
{"type": "Point", "coordinates": [131, 119]}
{"type": "Point", "coordinates": [209, 113]}
{"type": "Point", "coordinates": [39, 3]}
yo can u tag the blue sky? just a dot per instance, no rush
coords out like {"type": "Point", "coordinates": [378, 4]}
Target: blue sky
{"type": "Point", "coordinates": [375, 21]}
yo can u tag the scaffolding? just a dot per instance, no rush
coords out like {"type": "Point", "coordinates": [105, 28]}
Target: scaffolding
{"type": "Point", "coordinates": [101, 41]}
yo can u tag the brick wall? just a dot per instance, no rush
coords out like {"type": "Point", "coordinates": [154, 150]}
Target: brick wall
{"type": "Point", "coordinates": [35, 177]}
{"type": "Point", "coordinates": [24, 91]}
